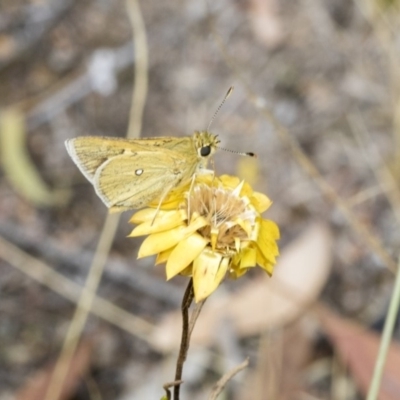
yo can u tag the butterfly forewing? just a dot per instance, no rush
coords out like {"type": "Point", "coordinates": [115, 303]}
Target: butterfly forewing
{"type": "Point", "coordinates": [89, 152]}
{"type": "Point", "coordinates": [131, 173]}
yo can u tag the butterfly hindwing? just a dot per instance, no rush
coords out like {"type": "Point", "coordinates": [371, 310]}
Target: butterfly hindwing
{"type": "Point", "coordinates": [134, 180]}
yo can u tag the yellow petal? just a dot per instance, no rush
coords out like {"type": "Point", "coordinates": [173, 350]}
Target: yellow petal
{"type": "Point", "coordinates": [174, 198]}
{"type": "Point", "coordinates": [171, 203]}
{"type": "Point", "coordinates": [260, 201]}
{"type": "Point", "coordinates": [268, 252]}
{"type": "Point", "coordinates": [161, 241]}
{"type": "Point", "coordinates": [184, 253]}
{"type": "Point", "coordinates": [232, 182]}
{"type": "Point", "coordinates": [177, 195]}
{"type": "Point", "coordinates": [187, 271]}
{"type": "Point", "coordinates": [207, 177]}
{"type": "Point", "coordinates": [147, 214]}
{"type": "Point", "coordinates": [237, 244]}
{"type": "Point", "coordinates": [163, 222]}
{"type": "Point", "coordinates": [163, 256]}
{"type": "Point", "coordinates": [229, 181]}
{"type": "Point", "coordinates": [248, 257]}
{"type": "Point", "coordinates": [236, 272]}
{"type": "Point", "coordinates": [246, 190]}
{"type": "Point", "coordinates": [264, 263]}
{"type": "Point", "coordinates": [238, 189]}
{"type": "Point", "coordinates": [267, 235]}
{"type": "Point", "coordinates": [270, 227]}
{"type": "Point", "coordinates": [209, 268]}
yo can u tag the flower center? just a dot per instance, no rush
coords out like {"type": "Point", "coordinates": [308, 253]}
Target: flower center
{"type": "Point", "coordinates": [223, 210]}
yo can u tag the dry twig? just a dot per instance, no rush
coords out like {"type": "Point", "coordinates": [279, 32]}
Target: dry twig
{"type": "Point", "coordinates": [219, 386]}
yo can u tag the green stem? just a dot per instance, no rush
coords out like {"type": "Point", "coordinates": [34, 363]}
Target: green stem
{"type": "Point", "coordinates": [386, 338]}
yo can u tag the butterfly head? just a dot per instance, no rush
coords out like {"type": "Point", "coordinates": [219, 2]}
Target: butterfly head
{"type": "Point", "coordinates": [205, 143]}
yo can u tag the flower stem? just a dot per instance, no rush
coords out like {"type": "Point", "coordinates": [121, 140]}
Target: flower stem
{"type": "Point", "coordinates": [186, 302]}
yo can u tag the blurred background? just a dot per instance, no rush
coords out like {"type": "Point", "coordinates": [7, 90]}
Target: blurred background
{"type": "Point", "coordinates": [317, 90]}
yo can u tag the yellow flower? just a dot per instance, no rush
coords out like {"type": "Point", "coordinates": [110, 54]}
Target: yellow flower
{"type": "Point", "coordinates": [208, 231]}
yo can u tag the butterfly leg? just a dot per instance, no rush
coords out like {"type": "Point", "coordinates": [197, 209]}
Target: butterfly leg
{"type": "Point", "coordinates": [188, 200]}
{"type": "Point", "coordinates": [162, 198]}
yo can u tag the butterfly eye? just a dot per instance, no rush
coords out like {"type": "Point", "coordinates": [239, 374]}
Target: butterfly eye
{"type": "Point", "coordinates": [205, 151]}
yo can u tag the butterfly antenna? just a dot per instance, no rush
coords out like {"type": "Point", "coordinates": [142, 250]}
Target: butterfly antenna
{"type": "Point", "coordinates": [250, 154]}
{"type": "Point", "coordinates": [228, 93]}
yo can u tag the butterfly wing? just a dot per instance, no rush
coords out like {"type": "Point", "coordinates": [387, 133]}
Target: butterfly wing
{"type": "Point", "coordinates": [90, 152]}
{"type": "Point", "coordinates": [134, 180]}
{"type": "Point", "coordinates": [182, 145]}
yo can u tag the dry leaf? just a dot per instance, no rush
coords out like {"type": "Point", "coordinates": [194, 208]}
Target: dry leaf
{"type": "Point", "coordinates": [358, 348]}
{"type": "Point", "coordinates": [36, 387]}
{"type": "Point", "coordinates": [264, 303]}
{"type": "Point", "coordinates": [281, 359]}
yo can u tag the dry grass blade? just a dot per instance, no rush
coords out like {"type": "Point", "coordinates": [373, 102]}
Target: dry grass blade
{"type": "Point", "coordinates": [35, 388]}
{"type": "Point", "coordinates": [18, 168]}
{"type": "Point", "coordinates": [68, 289]}
{"type": "Point", "coordinates": [219, 386]}
{"type": "Point", "coordinates": [383, 175]}
{"type": "Point", "coordinates": [141, 69]}
{"type": "Point", "coordinates": [83, 309]}
{"type": "Point", "coordinates": [111, 223]}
